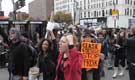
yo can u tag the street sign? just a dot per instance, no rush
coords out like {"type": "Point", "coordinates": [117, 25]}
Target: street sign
{"type": "Point", "coordinates": [115, 12]}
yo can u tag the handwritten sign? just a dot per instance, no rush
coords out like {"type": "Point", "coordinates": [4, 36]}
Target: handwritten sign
{"type": "Point", "coordinates": [50, 26]}
{"type": "Point", "coordinates": [91, 53]}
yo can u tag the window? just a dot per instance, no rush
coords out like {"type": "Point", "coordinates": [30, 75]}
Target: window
{"type": "Point", "coordinates": [99, 13]}
{"type": "Point", "coordinates": [91, 14]}
{"type": "Point", "coordinates": [99, 5]}
{"type": "Point", "coordinates": [110, 3]}
{"type": "Point", "coordinates": [84, 14]}
{"type": "Point", "coordinates": [88, 14]}
{"type": "Point", "coordinates": [134, 12]}
{"type": "Point", "coordinates": [88, 6]}
{"type": "Point", "coordinates": [110, 11]}
{"type": "Point", "coordinates": [84, 7]}
{"type": "Point", "coordinates": [127, 1]}
{"type": "Point", "coordinates": [125, 11]}
{"type": "Point", "coordinates": [106, 4]}
{"type": "Point", "coordinates": [103, 13]}
{"type": "Point", "coordinates": [88, 2]}
{"type": "Point", "coordinates": [94, 13]}
{"type": "Point", "coordinates": [106, 12]}
{"type": "Point", "coordinates": [131, 2]}
{"type": "Point", "coordinates": [116, 2]}
{"type": "Point", "coordinates": [102, 4]}
{"type": "Point", "coordinates": [81, 14]}
{"type": "Point", "coordinates": [130, 11]}
{"type": "Point", "coordinates": [94, 5]}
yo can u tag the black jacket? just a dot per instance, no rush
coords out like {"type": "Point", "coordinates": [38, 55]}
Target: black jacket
{"type": "Point", "coordinates": [47, 64]}
{"type": "Point", "coordinates": [19, 59]}
{"type": "Point", "coordinates": [130, 49]}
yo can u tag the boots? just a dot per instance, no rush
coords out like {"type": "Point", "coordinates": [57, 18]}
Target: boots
{"type": "Point", "coordinates": [122, 71]}
{"type": "Point", "coordinates": [115, 72]}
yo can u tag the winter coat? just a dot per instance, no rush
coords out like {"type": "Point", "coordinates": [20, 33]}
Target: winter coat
{"type": "Point", "coordinates": [72, 66]}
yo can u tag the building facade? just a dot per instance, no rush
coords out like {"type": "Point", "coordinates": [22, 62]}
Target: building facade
{"type": "Point", "coordinates": [41, 9]}
{"type": "Point", "coordinates": [102, 12]}
{"type": "Point", "coordinates": [0, 5]}
{"type": "Point", "coordinates": [67, 6]}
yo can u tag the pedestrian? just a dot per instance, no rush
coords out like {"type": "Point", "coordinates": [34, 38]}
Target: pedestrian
{"type": "Point", "coordinates": [92, 74]}
{"type": "Point", "coordinates": [130, 53]}
{"type": "Point", "coordinates": [47, 57]}
{"type": "Point", "coordinates": [119, 59]}
{"type": "Point", "coordinates": [19, 57]}
{"type": "Point", "coordinates": [69, 60]}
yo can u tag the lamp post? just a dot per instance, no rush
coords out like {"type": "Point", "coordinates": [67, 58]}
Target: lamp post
{"type": "Point", "coordinates": [14, 10]}
{"type": "Point", "coordinates": [0, 5]}
{"type": "Point", "coordinates": [115, 13]}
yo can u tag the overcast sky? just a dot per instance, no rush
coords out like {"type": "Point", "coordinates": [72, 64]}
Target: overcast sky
{"type": "Point", "coordinates": [8, 7]}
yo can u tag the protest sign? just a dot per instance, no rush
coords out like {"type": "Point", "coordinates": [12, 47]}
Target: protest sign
{"type": "Point", "coordinates": [50, 26]}
{"type": "Point", "coordinates": [91, 53]}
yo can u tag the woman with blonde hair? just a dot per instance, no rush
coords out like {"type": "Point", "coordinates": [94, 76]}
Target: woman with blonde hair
{"type": "Point", "coordinates": [69, 60]}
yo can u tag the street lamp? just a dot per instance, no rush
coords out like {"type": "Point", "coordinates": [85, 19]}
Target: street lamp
{"type": "Point", "coordinates": [17, 5]}
{"type": "Point", "coordinates": [0, 5]}
{"type": "Point", "coordinates": [14, 10]}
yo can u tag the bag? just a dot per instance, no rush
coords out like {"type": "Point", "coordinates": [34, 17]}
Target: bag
{"type": "Point", "coordinates": [34, 73]}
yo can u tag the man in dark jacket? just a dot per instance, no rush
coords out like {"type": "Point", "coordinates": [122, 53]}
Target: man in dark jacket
{"type": "Point", "coordinates": [19, 56]}
{"type": "Point", "coordinates": [130, 48]}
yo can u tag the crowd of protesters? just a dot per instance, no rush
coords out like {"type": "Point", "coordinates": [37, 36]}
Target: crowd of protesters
{"type": "Point", "coordinates": [58, 57]}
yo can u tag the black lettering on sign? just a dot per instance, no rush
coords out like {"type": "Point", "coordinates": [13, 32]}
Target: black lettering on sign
{"type": "Point", "coordinates": [84, 45]}
{"type": "Point", "coordinates": [93, 46]}
{"type": "Point", "coordinates": [89, 62]}
{"type": "Point", "coordinates": [93, 56]}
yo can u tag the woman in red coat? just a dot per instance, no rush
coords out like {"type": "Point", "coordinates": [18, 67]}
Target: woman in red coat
{"type": "Point", "coordinates": [69, 60]}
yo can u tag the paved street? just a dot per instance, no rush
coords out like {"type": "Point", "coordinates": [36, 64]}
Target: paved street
{"type": "Point", "coordinates": [3, 74]}
{"type": "Point", "coordinates": [109, 73]}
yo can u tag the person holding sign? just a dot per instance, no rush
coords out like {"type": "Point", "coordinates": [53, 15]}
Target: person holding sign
{"type": "Point", "coordinates": [69, 60]}
{"type": "Point", "coordinates": [93, 73]}
{"type": "Point", "coordinates": [47, 57]}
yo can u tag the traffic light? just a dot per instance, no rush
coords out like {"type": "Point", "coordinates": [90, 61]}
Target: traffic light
{"type": "Point", "coordinates": [22, 3]}
{"type": "Point", "coordinates": [19, 4]}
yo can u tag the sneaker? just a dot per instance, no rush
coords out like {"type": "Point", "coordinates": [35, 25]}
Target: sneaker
{"type": "Point", "coordinates": [115, 75]}
{"type": "Point", "coordinates": [121, 73]}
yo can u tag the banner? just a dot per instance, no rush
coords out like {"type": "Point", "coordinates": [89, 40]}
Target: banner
{"type": "Point", "coordinates": [91, 53]}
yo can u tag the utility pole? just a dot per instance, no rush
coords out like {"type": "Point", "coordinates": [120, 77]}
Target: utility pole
{"type": "Point", "coordinates": [75, 9]}
{"type": "Point", "coordinates": [0, 5]}
{"type": "Point", "coordinates": [115, 13]}
{"type": "Point", "coordinates": [14, 10]}
{"type": "Point", "coordinates": [17, 5]}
